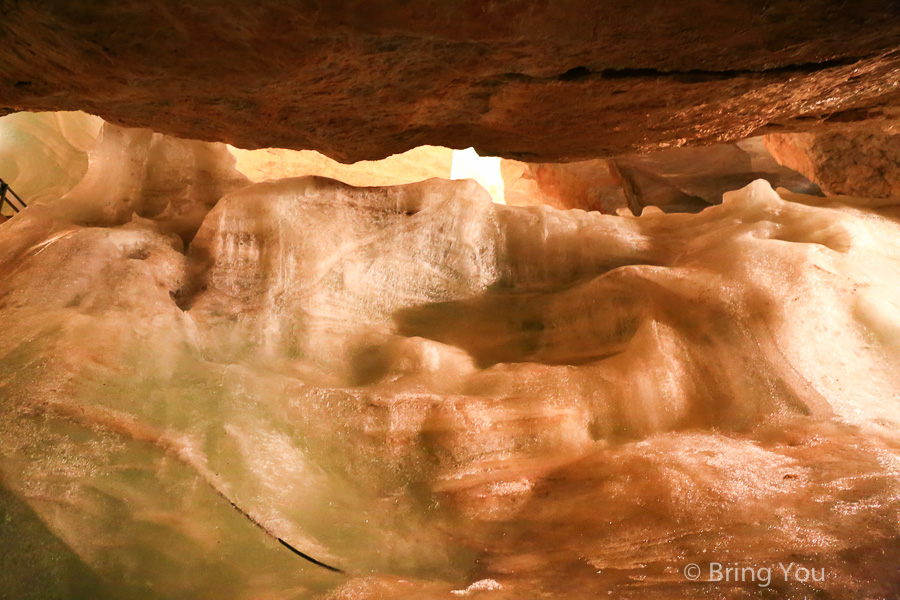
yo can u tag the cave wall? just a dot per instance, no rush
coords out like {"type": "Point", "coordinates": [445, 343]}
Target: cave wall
{"type": "Point", "coordinates": [859, 160]}
{"type": "Point", "coordinates": [686, 179]}
{"type": "Point", "coordinates": [539, 81]}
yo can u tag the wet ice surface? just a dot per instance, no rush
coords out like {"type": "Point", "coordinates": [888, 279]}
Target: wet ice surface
{"type": "Point", "coordinates": [442, 396]}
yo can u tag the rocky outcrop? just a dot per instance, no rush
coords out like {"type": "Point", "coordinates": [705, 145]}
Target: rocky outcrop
{"type": "Point", "coordinates": [540, 81]}
{"type": "Point", "coordinates": [588, 184]}
{"type": "Point", "coordinates": [675, 180]}
{"type": "Point", "coordinates": [859, 161]}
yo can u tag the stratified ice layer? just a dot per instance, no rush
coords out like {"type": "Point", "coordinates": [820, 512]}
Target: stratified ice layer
{"type": "Point", "coordinates": [439, 395]}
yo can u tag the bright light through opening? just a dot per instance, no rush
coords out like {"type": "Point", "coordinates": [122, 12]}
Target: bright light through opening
{"type": "Point", "coordinates": [467, 164]}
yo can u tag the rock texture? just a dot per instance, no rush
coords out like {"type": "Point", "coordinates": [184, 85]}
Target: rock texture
{"type": "Point", "coordinates": [856, 161]}
{"type": "Point", "coordinates": [587, 184]}
{"type": "Point", "coordinates": [675, 180]}
{"type": "Point", "coordinates": [530, 80]}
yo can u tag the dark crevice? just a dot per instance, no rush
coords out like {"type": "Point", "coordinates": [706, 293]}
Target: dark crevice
{"type": "Point", "coordinates": [583, 73]}
{"type": "Point", "coordinates": [853, 115]}
{"type": "Point", "coordinates": [575, 74]}
{"type": "Point", "coordinates": [697, 75]}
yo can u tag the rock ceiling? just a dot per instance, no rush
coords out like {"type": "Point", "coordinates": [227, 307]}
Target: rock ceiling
{"type": "Point", "coordinates": [536, 81]}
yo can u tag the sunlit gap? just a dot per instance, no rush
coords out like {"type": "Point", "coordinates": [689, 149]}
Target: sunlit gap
{"type": "Point", "coordinates": [411, 166]}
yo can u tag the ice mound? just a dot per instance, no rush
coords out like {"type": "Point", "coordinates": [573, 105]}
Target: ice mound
{"type": "Point", "coordinates": [430, 391]}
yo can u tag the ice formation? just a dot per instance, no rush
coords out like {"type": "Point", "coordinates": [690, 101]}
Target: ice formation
{"type": "Point", "coordinates": [438, 394]}
{"type": "Point", "coordinates": [44, 155]}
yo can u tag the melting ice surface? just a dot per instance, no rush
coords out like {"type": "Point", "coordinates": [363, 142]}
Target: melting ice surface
{"type": "Point", "coordinates": [442, 396]}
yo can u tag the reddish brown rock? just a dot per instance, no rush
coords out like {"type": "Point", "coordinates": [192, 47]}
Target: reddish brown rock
{"type": "Point", "coordinates": [588, 185]}
{"type": "Point", "coordinates": [675, 180]}
{"type": "Point", "coordinates": [859, 161]}
{"type": "Point", "coordinates": [546, 81]}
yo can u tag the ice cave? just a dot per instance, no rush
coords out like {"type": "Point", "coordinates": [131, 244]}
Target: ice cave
{"type": "Point", "coordinates": [501, 300]}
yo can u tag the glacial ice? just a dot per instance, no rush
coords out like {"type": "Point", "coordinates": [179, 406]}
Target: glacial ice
{"type": "Point", "coordinates": [44, 155]}
{"type": "Point", "coordinates": [430, 391]}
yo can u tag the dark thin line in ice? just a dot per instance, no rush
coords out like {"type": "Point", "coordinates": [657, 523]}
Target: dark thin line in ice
{"type": "Point", "coordinates": [302, 555]}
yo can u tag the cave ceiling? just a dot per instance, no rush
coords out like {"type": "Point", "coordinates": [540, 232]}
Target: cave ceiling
{"type": "Point", "coordinates": [530, 80]}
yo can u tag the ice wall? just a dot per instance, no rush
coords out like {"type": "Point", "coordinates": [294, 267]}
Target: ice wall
{"type": "Point", "coordinates": [97, 173]}
{"type": "Point", "coordinates": [438, 394]}
{"type": "Point", "coordinates": [44, 155]}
